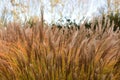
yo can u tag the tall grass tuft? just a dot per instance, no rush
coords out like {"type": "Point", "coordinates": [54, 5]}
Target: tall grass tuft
{"type": "Point", "coordinates": [44, 53]}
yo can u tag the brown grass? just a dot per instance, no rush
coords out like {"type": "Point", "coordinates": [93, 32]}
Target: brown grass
{"type": "Point", "coordinates": [45, 53]}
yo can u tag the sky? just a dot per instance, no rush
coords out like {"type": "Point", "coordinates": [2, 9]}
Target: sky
{"type": "Point", "coordinates": [72, 9]}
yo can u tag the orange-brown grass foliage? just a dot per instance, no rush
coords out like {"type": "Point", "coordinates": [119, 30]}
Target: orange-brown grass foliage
{"type": "Point", "coordinates": [49, 53]}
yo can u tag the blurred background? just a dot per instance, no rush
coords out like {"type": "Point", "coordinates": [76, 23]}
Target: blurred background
{"type": "Point", "coordinates": [55, 11]}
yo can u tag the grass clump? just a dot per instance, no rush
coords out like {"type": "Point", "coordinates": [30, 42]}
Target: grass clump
{"type": "Point", "coordinates": [44, 53]}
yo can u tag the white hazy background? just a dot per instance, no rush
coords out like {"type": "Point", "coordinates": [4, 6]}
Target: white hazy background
{"type": "Point", "coordinates": [53, 11]}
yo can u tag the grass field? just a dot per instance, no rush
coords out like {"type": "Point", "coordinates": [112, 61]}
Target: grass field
{"type": "Point", "coordinates": [41, 52]}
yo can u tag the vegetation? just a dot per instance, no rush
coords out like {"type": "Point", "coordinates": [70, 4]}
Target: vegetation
{"type": "Point", "coordinates": [45, 53]}
{"type": "Point", "coordinates": [37, 51]}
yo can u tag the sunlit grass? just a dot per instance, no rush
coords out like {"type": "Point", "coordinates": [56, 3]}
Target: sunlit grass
{"type": "Point", "coordinates": [45, 53]}
{"type": "Point", "coordinates": [36, 51]}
